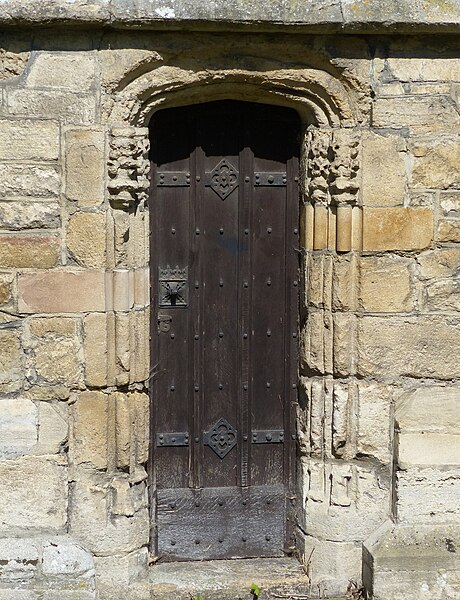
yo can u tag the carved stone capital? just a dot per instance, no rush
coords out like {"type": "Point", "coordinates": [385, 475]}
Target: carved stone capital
{"type": "Point", "coordinates": [128, 166]}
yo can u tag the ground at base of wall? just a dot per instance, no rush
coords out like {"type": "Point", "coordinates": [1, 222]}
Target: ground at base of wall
{"type": "Point", "coordinates": [230, 580]}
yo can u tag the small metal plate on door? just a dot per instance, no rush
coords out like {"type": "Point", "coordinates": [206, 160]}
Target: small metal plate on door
{"type": "Point", "coordinates": [175, 438]}
{"type": "Point", "coordinates": [173, 287]}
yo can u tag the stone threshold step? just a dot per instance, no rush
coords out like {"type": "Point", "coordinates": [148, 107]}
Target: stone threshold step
{"type": "Point", "coordinates": [277, 578]}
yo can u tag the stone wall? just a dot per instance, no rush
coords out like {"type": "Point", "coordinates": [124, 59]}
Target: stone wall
{"type": "Point", "coordinates": [378, 415]}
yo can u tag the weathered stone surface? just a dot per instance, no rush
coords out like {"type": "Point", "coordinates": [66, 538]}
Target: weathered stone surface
{"type": "Point", "coordinates": [12, 63]}
{"type": "Point", "coordinates": [61, 556]}
{"type": "Point", "coordinates": [434, 163]}
{"type": "Point", "coordinates": [449, 231]}
{"type": "Point", "coordinates": [37, 508]}
{"type": "Point", "coordinates": [414, 68]}
{"type": "Point", "coordinates": [86, 239]}
{"type": "Point", "coordinates": [57, 361]}
{"type": "Point", "coordinates": [89, 523]}
{"type": "Point", "coordinates": [386, 285]}
{"type": "Point", "coordinates": [61, 291]}
{"type": "Point", "coordinates": [36, 181]}
{"type": "Point", "coordinates": [61, 70]}
{"type": "Point", "coordinates": [428, 494]}
{"type": "Point", "coordinates": [373, 438]}
{"type": "Point", "coordinates": [32, 251]}
{"type": "Point", "coordinates": [53, 428]}
{"type": "Point", "coordinates": [90, 430]}
{"type": "Point", "coordinates": [450, 202]}
{"type": "Point", "coordinates": [430, 408]}
{"type": "Point", "coordinates": [410, 346]}
{"type": "Point", "coordinates": [411, 562]}
{"type": "Point", "coordinates": [85, 167]}
{"type": "Point", "coordinates": [421, 114]}
{"type": "Point", "coordinates": [383, 170]}
{"type": "Point", "coordinates": [342, 502]}
{"type": "Point", "coordinates": [131, 428]}
{"type": "Point", "coordinates": [18, 427]}
{"type": "Point", "coordinates": [442, 296]}
{"type": "Point", "coordinates": [397, 228]}
{"type": "Point", "coordinates": [95, 344]}
{"type": "Point", "coordinates": [427, 449]}
{"type": "Point", "coordinates": [439, 263]}
{"type": "Point", "coordinates": [29, 140]}
{"type": "Point", "coordinates": [6, 287]}
{"type": "Point", "coordinates": [41, 326]}
{"type": "Point", "coordinates": [71, 108]}
{"type": "Point", "coordinates": [28, 214]}
{"type": "Point", "coordinates": [330, 565]}
{"type": "Point", "coordinates": [11, 368]}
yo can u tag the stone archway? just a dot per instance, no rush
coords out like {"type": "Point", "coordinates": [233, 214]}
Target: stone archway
{"type": "Point", "coordinates": [331, 240]}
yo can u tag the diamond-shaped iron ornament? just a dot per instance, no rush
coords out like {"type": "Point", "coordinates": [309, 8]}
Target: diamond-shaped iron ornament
{"type": "Point", "coordinates": [221, 437]}
{"type": "Point", "coordinates": [224, 178]}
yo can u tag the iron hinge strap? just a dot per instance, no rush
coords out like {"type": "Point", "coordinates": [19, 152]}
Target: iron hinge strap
{"type": "Point", "coordinates": [227, 432]}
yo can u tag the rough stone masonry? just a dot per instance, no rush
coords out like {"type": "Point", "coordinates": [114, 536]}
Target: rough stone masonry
{"type": "Point", "coordinates": [377, 85]}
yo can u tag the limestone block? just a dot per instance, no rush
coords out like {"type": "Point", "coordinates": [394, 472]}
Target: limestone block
{"type": "Point", "coordinates": [131, 428]}
{"type": "Point", "coordinates": [344, 283]}
{"type": "Point", "coordinates": [430, 409]}
{"type": "Point", "coordinates": [425, 448]}
{"type": "Point", "coordinates": [442, 295]}
{"type": "Point", "coordinates": [28, 139]}
{"type": "Point", "coordinates": [71, 108]}
{"type": "Point", "coordinates": [344, 343]}
{"type": "Point", "coordinates": [37, 507]}
{"type": "Point", "coordinates": [61, 292]}
{"type": "Point", "coordinates": [439, 263]}
{"type": "Point", "coordinates": [69, 595]}
{"type": "Point", "coordinates": [374, 423]}
{"type": "Point", "coordinates": [90, 524]}
{"type": "Point", "coordinates": [329, 565]}
{"type": "Point", "coordinates": [19, 562]}
{"type": "Point", "coordinates": [73, 71]}
{"type": "Point", "coordinates": [397, 228]}
{"type": "Point", "coordinates": [414, 563]}
{"type": "Point", "coordinates": [11, 370]}
{"type": "Point", "coordinates": [90, 430]}
{"type": "Point", "coordinates": [36, 181]}
{"type": "Point", "coordinates": [28, 214]}
{"type": "Point", "coordinates": [421, 114]}
{"type": "Point", "coordinates": [61, 556]}
{"type": "Point", "coordinates": [120, 572]}
{"type": "Point", "coordinates": [434, 163]}
{"type": "Point", "coordinates": [343, 502]}
{"type": "Point", "coordinates": [18, 427]}
{"type": "Point", "coordinates": [116, 64]}
{"type": "Point", "coordinates": [449, 231]}
{"type": "Point", "coordinates": [6, 287]}
{"type": "Point", "coordinates": [386, 285]}
{"type": "Point", "coordinates": [95, 348]}
{"type": "Point", "coordinates": [414, 68]}
{"type": "Point", "coordinates": [31, 251]}
{"type": "Point", "coordinates": [53, 428]}
{"type": "Point", "coordinates": [85, 167]}
{"type": "Point", "coordinates": [450, 202]}
{"type": "Point", "coordinates": [383, 170]}
{"type": "Point", "coordinates": [86, 239]}
{"type": "Point", "coordinates": [127, 499]}
{"type": "Point", "coordinates": [428, 495]}
{"type": "Point", "coordinates": [411, 346]}
{"type": "Point", "coordinates": [57, 361]}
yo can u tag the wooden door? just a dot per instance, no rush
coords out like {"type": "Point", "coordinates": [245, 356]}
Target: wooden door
{"type": "Point", "coordinates": [224, 248]}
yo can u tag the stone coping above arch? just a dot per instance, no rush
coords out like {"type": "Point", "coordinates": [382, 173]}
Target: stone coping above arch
{"type": "Point", "coordinates": [356, 16]}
